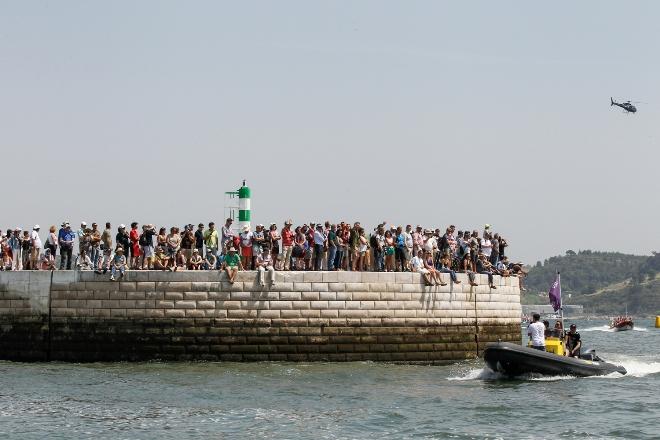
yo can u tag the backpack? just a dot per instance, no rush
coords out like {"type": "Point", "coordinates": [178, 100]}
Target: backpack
{"type": "Point", "coordinates": [143, 241]}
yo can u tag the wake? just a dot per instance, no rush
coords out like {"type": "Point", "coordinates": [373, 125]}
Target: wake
{"type": "Point", "coordinates": [606, 328]}
{"type": "Point", "coordinates": [635, 367]}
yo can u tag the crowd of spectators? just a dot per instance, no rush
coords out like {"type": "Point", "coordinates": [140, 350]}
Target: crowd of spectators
{"type": "Point", "coordinates": [313, 246]}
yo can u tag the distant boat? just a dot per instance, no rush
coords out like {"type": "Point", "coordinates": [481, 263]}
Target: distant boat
{"type": "Point", "coordinates": [621, 323]}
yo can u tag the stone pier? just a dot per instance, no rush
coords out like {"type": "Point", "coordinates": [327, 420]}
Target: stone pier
{"type": "Point", "coordinates": [199, 315]}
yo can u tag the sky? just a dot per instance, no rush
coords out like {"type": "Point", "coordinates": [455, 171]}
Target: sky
{"type": "Point", "coordinates": [420, 112]}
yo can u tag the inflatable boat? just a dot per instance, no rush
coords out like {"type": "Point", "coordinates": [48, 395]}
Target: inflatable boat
{"type": "Point", "coordinates": [515, 360]}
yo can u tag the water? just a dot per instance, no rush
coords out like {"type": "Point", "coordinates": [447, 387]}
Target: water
{"type": "Point", "coordinates": [335, 401]}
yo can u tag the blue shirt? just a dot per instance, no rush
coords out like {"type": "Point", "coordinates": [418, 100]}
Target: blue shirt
{"type": "Point", "coordinates": [65, 235]}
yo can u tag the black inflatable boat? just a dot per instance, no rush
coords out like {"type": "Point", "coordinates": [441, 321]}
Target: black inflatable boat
{"type": "Point", "coordinates": [515, 360]}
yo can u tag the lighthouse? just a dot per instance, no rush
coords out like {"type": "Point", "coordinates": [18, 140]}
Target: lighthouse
{"type": "Point", "coordinates": [244, 215]}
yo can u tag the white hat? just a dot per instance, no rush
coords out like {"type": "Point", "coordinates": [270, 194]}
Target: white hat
{"type": "Point", "coordinates": [17, 229]}
{"type": "Point", "coordinates": [122, 226]}
{"type": "Point", "coordinates": [246, 228]}
{"type": "Point", "coordinates": [83, 223]}
{"type": "Point", "coordinates": [36, 227]}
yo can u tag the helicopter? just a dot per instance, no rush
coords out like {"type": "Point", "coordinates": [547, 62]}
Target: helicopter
{"type": "Point", "coordinates": [627, 106]}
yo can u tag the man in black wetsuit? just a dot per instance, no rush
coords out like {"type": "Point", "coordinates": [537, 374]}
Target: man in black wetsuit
{"type": "Point", "coordinates": [573, 342]}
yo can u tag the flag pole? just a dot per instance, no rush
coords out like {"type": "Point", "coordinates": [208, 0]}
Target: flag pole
{"type": "Point", "coordinates": [561, 303]}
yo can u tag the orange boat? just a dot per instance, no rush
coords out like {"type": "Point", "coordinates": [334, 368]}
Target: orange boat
{"type": "Point", "coordinates": [622, 323]}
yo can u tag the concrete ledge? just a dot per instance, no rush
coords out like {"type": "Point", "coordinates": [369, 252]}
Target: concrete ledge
{"type": "Point", "coordinates": [200, 315]}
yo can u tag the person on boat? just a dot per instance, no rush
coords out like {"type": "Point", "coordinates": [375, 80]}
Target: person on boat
{"type": "Point", "coordinates": [558, 330]}
{"type": "Point", "coordinates": [573, 342]}
{"type": "Point", "coordinates": [546, 332]}
{"type": "Point", "coordinates": [536, 332]}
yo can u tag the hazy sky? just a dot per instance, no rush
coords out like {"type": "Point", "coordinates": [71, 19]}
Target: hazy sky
{"type": "Point", "coordinates": [411, 112]}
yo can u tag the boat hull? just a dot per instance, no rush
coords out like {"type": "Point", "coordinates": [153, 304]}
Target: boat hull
{"type": "Point", "coordinates": [622, 328]}
{"type": "Point", "coordinates": [515, 360]}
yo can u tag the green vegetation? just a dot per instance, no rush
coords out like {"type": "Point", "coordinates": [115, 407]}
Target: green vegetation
{"type": "Point", "coordinates": [604, 282]}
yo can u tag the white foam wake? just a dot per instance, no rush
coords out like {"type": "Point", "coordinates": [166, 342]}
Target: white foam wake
{"type": "Point", "coordinates": [478, 374]}
{"type": "Point", "coordinates": [606, 328]}
{"type": "Point", "coordinates": [635, 367]}
{"type": "Point", "coordinates": [602, 328]}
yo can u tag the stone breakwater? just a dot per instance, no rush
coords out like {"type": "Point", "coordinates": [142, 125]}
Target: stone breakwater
{"type": "Point", "coordinates": [305, 316]}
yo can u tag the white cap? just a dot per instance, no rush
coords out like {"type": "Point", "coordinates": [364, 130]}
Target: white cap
{"type": "Point", "coordinates": [122, 226]}
{"type": "Point", "coordinates": [36, 227]}
{"type": "Point", "coordinates": [83, 223]}
{"type": "Point", "coordinates": [17, 229]}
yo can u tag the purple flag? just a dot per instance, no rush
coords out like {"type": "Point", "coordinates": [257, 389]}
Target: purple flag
{"type": "Point", "coordinates": [555, 294]}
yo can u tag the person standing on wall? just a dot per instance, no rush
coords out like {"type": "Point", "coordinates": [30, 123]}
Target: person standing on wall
{"type": "Point", "coordinates": [65, 240]}
{"type": "Point", "coordinates": [35, 248]}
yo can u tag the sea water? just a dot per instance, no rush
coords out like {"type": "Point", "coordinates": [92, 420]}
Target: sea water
{"type": "Point", "coordinates": [336, 400]}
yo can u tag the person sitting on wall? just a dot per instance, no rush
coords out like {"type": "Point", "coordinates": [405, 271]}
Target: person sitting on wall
{"type": "Point", "coordinates": [83, 262]}
{"type": "Point", "coordinates": [265, 264]}
{"type": "Point", "coordinates": [232, 264]}
{"type": "Point", "coordinates": [210, 261]}
{"type": "Point", "coordinates": [105, 261]}
{"type": "Point", "coordinates": [161, 259]}
{"type": "Point", "coordinates": [573, 342]}
{"type": "Point", "coordinates": [417, 265]}
{"type": "Point", "coordinates": [118, 264]}
{"type": "Point", "coordinates": [180, 261]}
{"type": "Point", "coordinates": [466, 266]}
{"type": "Point", "coordinates": [433, 273]}
{"type": "Point", "coordinates": [536, 332]}
{"type": "Point", "coordinates": [445, 267]}
{"type": "Point", "coordinates": [196, 260]}
{"type": "Point", "coordinates": [47, 261]}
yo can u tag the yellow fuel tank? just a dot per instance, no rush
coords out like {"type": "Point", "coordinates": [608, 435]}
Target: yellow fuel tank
{"type": "Point", "coordinates": [554, 345]}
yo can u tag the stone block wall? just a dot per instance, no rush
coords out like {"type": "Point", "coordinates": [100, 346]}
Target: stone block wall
{"type": "Point", "coordinates": [304, 316]}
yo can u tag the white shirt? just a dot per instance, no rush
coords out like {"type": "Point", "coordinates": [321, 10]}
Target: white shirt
{"type": "Point", "coordinates": [486, 247]}
{"type": "Point", "coordinates": [431, 244]}
{"type": "Point", "coordinates": [417, 263]}
{"type": "Point", "coordinates": [319, 238]}
{"type": "Point", "coordinates": [36, 241]}
{"type": "Point", "coordinates": [265, 261]}
{"type": "Point", "coordinates": [408, 239]}
{"type": "Point", "coordinates": [246, 239]}
{"type": "Point", "coordinates": [536, 331]}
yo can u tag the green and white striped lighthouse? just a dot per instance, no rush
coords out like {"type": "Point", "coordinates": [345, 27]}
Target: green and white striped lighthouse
{"type": "Point", "coordinates": [244, 214]}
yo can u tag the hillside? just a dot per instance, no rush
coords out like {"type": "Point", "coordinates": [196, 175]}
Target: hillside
{"type": "Point", "coordinates": [604, 282]}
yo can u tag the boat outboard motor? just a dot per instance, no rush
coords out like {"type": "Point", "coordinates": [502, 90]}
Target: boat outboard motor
{"type": "Point", "coordinates": [590, 355]}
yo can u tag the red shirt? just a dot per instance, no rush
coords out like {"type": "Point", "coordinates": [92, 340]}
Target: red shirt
{"type": "Point", "coordinates": [287, 237]}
